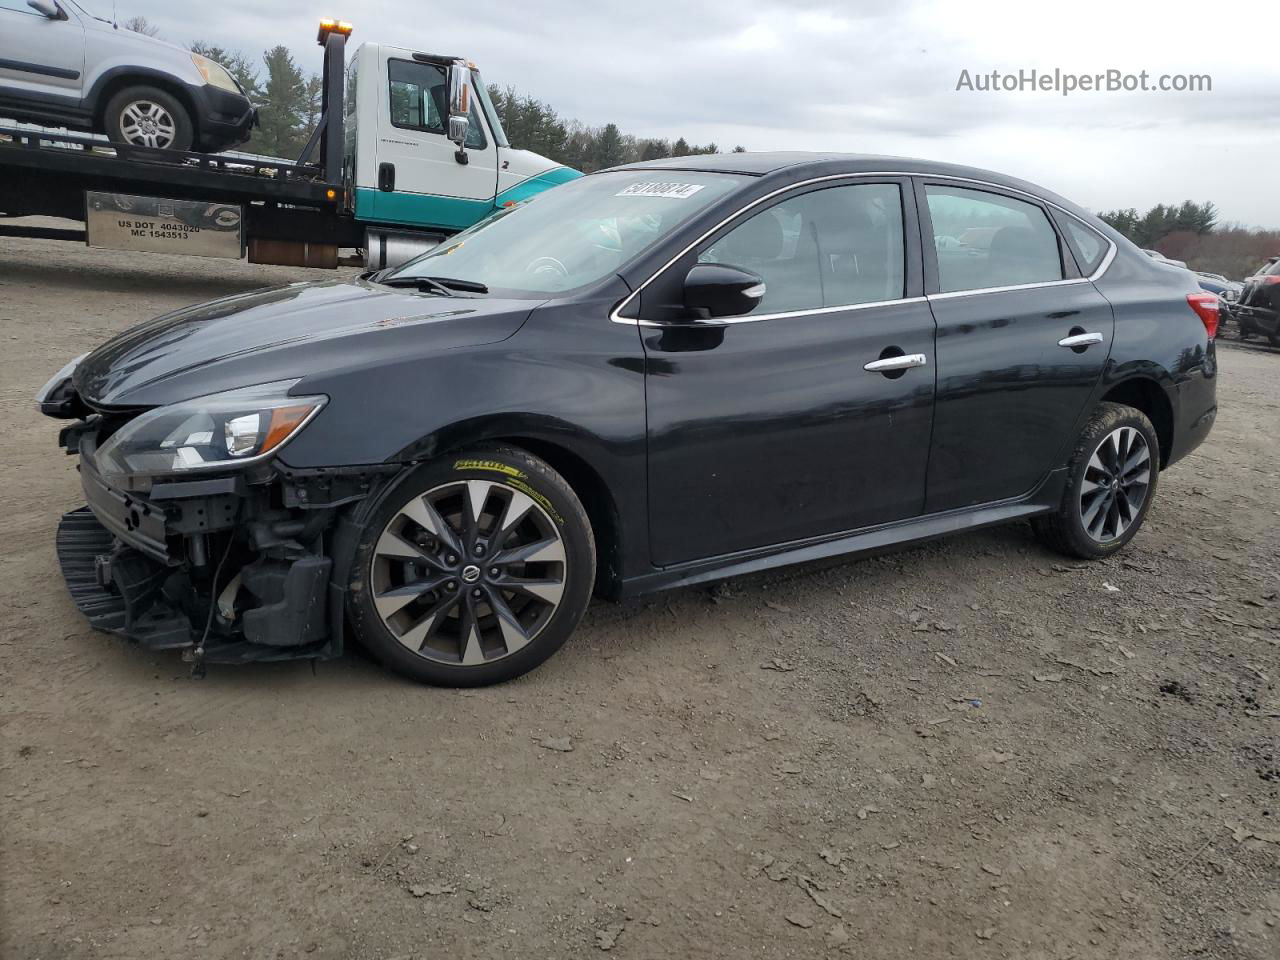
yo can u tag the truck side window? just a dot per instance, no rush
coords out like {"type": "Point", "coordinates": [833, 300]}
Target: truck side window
{"type": "Point", "coordinates": [419, 99]}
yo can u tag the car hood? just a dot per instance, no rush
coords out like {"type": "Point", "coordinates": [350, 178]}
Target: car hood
{"type": "Point", "coordinates": [285, 333]}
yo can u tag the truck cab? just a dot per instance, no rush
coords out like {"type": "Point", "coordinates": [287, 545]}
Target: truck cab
{"type": "Point", "coordinates": [409, 182]}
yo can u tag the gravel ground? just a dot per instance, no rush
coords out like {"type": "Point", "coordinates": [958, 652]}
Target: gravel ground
{"type": "Point", "coordinates": [974, 748]}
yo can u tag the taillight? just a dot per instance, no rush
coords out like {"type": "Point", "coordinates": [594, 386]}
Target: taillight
{"type": "Point", "coordinates": [1206, 307]}
{"type": "Point", "coordinates": [1271, 278]}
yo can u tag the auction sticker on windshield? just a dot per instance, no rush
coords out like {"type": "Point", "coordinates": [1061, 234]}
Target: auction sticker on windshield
{"type": "Point", "coordinates": [653, 188]}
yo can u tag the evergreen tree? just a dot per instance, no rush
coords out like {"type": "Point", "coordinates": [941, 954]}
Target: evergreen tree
{"type": "Point", "coordinates": [609, 148]}
{"type": "Point", "coordinates": [655, 150]}
{"type": "Point", "coordinates": [285, 106]}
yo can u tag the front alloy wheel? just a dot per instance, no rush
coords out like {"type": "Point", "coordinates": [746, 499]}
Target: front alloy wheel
{"type": "Point", "coordinates": [468, 572]}
{"type": "Point", "coordinates": [472, 569]}
{"type": "Point", "coordinates": [146, 116]}
{"type": "Point", "coordinates": [147, 124]}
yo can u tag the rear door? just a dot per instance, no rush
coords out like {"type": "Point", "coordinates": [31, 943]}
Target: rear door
{"type": "Point", "coordinates": [769, 428]}
{"type": "Point", "coordinates": [1022, 342]}
{"type": "Point", "coordinates": [420, 180]}
{"type": "Point", "coordinates": [40, 56]}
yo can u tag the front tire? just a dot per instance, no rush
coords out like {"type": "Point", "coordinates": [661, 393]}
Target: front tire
{"type": "Point", "coordinates": [145, 116]}
{"type": "Point", "coordinates": [473, 569]}
{"type": "Point", "coordinates": [1111, 481]}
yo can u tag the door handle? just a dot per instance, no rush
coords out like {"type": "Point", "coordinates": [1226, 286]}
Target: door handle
{"type": "Point", "coordinates": [890, 364]}
{"type": "Point", "coordinates": [1080, 340]}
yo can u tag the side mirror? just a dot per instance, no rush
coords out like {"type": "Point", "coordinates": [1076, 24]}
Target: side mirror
{"type": "Point", "coordinates": [718, 290]}
{"type": "Point", "coordinates": [459, 107]}
{"type": "Point", "coordinates": [46, 7]}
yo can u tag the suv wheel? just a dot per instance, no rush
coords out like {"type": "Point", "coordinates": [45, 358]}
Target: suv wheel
{"type": "Point", "coordinates": [1111, 481]}
{"type": "Point", "coordinates": [148, 117]}
{"type": "Point", "coordinates": [472, 570]}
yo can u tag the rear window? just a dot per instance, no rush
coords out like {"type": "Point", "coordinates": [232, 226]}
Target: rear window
{"type": "Point", "coordinates": [985, 240]}
{"type": "Point", "coordinates": [1272, 270]}
{"type": "Point", "coordinates": [1088, 246]}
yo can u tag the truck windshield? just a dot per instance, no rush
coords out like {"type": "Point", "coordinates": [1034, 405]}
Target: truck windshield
{"type": "Point", "coordinates": [572, 235]}
{"type": "Point", "coordinates": [490, 111]}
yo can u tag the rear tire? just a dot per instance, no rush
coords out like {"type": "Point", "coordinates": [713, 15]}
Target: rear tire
{"type": "Point", "coordinates": [1111, 481]}
{"type": "Point", "coordinates": [473, 569]}
{"type": "Point", "coordinates": [145, 116]}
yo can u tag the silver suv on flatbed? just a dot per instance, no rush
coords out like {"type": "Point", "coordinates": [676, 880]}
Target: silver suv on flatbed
{"type": "Point", "coordinates": [62, 65]}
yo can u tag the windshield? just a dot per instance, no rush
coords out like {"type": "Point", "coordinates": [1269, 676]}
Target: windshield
{"type": "Point", "coordinates": [572, 235]}
{"type": "Point", "coordinates": [490, 111]}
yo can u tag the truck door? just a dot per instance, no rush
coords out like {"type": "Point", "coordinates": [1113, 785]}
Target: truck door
{"type": "Point", "coordinates": [44, 56]}
{"type": "Point", "coordinates": [419, 178]}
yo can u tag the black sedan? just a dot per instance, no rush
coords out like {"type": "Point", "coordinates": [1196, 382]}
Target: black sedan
{"type": "Point", "coordinates": [656, 375]}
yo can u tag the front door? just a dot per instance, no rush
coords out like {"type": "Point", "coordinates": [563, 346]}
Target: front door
{"type": "Point", "coordinates": [770, 427]}
{"type": "Point", "coordinates": [42, 56]}
{"type": "Point", "coordinates": [1010, 391]}
{"type": "Point", "coordinates": [427, 185]}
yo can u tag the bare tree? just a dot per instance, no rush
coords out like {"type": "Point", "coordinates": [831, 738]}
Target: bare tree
{"type": "Point", "coordinates": [141, 25]}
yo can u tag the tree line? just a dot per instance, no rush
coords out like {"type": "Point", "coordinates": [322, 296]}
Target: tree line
{"type": "Point", "coordinates": [1190, 231]}
{"type": "Point", "coordinates": [531, 124]}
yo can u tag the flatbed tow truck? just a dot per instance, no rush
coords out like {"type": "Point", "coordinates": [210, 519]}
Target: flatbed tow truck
{"type": "Point", "coordinates": [407, 151]}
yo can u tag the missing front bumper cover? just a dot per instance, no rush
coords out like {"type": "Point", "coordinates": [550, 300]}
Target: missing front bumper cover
{"type": "Point", "coordinates": [123, 591]}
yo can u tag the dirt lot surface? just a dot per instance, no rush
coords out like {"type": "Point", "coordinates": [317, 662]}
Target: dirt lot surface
{"type": "Point", "coordinates": [974, 748]}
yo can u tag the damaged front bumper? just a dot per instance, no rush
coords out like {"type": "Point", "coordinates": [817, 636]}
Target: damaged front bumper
{"type": "Point", "coordinates": [230, 569]}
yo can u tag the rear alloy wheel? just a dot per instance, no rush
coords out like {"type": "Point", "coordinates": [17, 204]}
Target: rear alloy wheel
{"type": "Point", "coordinates": [1116, 481]}
{"type": "Point", "coordinates": [148, 117]}
{"type": "Point", "coordinates": [477, 569]}
{"type": "Point", "coordinates": [1111, 480]}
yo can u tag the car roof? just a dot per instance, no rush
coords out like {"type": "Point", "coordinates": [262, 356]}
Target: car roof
{"type": "Point", "coordinates": [797, 164]}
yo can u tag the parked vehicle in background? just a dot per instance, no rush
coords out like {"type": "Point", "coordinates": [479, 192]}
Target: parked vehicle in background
{"type": "Point", "coordinates": [1217, 283]}
{"type": "Point", "coordinates": [60, 65]}
{"type": "Point", "coordinates": [653, 376]}
{"type": "Point", "coordinates": [1258, 310]}
{"type": "Point", "coordinates": [1157, 255]}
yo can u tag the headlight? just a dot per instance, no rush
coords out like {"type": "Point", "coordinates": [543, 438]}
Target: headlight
{"type": "Point", "coordinates": [222, 431]}
{"type": "Point", "coordinates": [215, 74]}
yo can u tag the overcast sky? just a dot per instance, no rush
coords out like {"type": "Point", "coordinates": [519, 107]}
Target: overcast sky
{"type": "Point", "coordinates": [876, 76]}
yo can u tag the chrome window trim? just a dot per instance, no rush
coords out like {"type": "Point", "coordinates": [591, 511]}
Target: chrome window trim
{"type": "Point", "coordinates": [752, 318]}
{"type": "Point", "coordinates": [951, 294]}
{"type": "Point", "coordinates": [636, 322]}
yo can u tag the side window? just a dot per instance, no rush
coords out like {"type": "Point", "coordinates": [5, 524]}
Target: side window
{"type": "Point", "coordinates": [989, 240]}
{"type": "Point", "coordinates": [826, 248]}
{"type": "Point", "coordinates": [19, 6]}
{"type": "Point", "coordinates": [1089, 246]}
{"type": "Point", "coordinates": [419, 100]}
